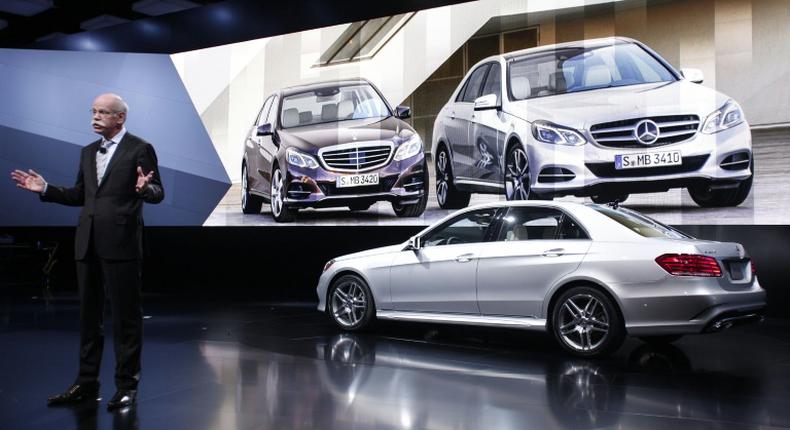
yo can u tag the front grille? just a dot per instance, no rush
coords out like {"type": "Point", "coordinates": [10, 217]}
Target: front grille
{"type": "Point", "coordinates": [356, 157]}
{"type": "Point", "coordinates": [622, 134]}
{"type": "Point", "coordinates": [385, 184]}
{"type": "Point", "coordinates": [607, 170]}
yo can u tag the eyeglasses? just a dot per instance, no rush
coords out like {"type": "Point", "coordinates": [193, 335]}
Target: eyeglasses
{"type": "Point", "coordinates": [102, 112]}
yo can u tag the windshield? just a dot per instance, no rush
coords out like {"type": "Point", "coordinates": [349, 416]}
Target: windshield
{"type": "Point", "coordinates": [641, 224]}
{"type": "Point", "coordinates": [568, 70]}
{"type": "Point", "coordinates": [331, 104]}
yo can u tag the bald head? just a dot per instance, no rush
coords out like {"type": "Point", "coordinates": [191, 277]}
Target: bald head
{"type": "Point", "coordinates": [109, 114]}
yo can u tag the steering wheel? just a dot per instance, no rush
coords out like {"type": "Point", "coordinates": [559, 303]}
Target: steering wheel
{"type": "Point", "coordinates": [452, 239]}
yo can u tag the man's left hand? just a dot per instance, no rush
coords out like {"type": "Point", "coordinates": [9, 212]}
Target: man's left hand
{"type": "Point", "coordinates": [142, 180]}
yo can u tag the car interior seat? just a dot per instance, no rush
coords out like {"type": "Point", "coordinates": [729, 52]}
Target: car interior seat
{"type": "Point", "coordinates": [290, 117]}
{"type": "Point", "coordinates": [329, 112]}
{"type": "Point", "coordinates": [520, 87]}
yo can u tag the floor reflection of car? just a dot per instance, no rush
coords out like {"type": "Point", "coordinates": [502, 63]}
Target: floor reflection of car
{"type": "Point", "coordinates": [600, 118]}
{"type": "Point", "coordinates": [588, 274]}
{"type": "Point", "coordinates": [332, 144]}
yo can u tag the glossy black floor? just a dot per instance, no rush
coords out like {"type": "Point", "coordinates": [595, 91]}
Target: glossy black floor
{"type": "Point", "coordinates": [235, 365]}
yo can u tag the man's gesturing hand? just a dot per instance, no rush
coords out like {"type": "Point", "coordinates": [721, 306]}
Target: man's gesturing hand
{"type": "Point", "coordinates": [30, 181]}
{"type": "Point", "coordinates": [143, 179]}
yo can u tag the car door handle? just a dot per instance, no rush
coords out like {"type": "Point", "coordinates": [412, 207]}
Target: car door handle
{"type": "Point", "coordinates": [465, 258]}
{"type": "Point", "coordinates": [554, 252]}
{"type": "Point", "coordinates": [452, 115]}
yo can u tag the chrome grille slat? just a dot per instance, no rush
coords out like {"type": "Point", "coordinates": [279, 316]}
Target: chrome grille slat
{"type": "Point", "coordinates": [672, 129]}
{"type": "Point", "coordinates": [356, 157]}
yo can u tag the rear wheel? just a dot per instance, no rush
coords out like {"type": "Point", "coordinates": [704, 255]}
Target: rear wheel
{"type": "Point", "coordinates": [415, 209]}
{"type": "Point", "coordinates": [351, 303]}
{"type": "Point", "coordinates": [250, 203]}
{"type": "Point", "coordinates": [586, 323]}
{"type": "Point", "coordinates": [280, 212]}
{"type": "Point", "coordinates": [708, 198]}
{"type": "Point", "coordinates": [448, 196]}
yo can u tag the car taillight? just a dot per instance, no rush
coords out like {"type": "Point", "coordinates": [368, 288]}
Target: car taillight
{"type": "Point", "coordinates": [690, 265]}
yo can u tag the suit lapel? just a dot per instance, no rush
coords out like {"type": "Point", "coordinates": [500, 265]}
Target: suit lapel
{"type": "Point", "coordinates": [123, 147]}
{"type": "Point", "coordinates": [91, 167]}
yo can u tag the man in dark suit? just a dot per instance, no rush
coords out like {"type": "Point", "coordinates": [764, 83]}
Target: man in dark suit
{"type": "Point", "coordinates": [111, 186]}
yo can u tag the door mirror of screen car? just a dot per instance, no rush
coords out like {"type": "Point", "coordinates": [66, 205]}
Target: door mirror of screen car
{"type": "Point", "coordinates": [403, 112]}
{"type": "Point", "coordinates": [414, 243]}
{"type": "Point", "coordinates": [693, 75]}
{"type": "Point", "coordinates": [265, 130]}
{"type": "Point", "coordinates": [486, 102]}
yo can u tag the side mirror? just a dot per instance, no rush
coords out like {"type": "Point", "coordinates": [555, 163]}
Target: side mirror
{"type": "Point", "coordinates": [414, 243]}
{"type": "Point", "coordinates": [403, 112]}
{"type": "Point", "coordinates": [264, 130]}
{"type": "Point", "coordinates": [693, 75]}
{"type": "Point", "coordinates": [487, 102]}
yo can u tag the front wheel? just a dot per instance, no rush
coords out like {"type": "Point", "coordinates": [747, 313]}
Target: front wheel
{"type": "Point", "coordinates": [586, 323]}
{"type": "Point", "coordinates": [518, 177]}
{"type": "Point", "coordinates": [351, 303]}
{"type": "Point", "coordinates": [280, 212]}
{"type": "Point", "coordinates": [415, 209]}
{"type": "Point", "coordinates": [706, 197]}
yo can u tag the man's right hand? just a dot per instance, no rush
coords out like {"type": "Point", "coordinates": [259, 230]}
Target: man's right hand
{"type": "Point", "coordinates": [30, 181]}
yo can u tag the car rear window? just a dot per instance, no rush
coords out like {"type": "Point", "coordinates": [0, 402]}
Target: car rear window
{"type": "Point", "coordinates": [640, 224]}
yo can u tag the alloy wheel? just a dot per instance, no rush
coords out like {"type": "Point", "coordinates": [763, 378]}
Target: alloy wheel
{"type": "Point", "coordinates": [349, 303]}
{"type": "Point", "coordinates": [517, 175]}
{"type": "Point", "coordinates": [277, 193]}
{"type": "Point", "coordinates": [583, 323]}
{"type": "Point", "coordinates": [442, 177]}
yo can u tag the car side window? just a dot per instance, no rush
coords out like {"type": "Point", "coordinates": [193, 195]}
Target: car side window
{"type": "Point", "coordinates": [530, 223]}
{"type": "Point", "coordinates": [472, 90]}
{"type": "Point", "coordinates": [471, 227]}
{"type": "Point", "coordinates": [264, 112]}
{"type": "Point", "coordinates": [570, 229]}
{"type": "Point", "coordinates": [493, 84]}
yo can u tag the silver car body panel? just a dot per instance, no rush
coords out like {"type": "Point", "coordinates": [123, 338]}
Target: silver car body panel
{"type": "Point", "coordinates": [512, 284]}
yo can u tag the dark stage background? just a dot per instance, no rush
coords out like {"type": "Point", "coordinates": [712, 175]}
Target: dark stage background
{"type": "Point", "coordinates": [284, 263]}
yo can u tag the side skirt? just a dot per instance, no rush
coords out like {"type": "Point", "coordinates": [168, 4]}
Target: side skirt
{"type": "Point", "coordinates": [527, 323]}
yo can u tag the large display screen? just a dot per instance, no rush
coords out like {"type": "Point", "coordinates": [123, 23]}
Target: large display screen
{"type": "Point", "coordinates": [677, 109]}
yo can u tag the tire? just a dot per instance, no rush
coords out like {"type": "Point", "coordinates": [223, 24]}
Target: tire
{"type": "Point", "coordinates": [250, 203]}
{"type": "Point", "coordinates": [415, 209]}
{"type": "Point", "coordinates": [704, 197]}
{"type": "Point", "coordinates": [359, 207]}
{"type": "Point", "coordinates": [350, 303]}
{"type": "Point", "coordinates": [608, 198]}
{"type": "Point", "coordinates": [586, 323]}
{"type": "Point", "coordinates": [448, 196]}
{"type": "Point", "coordinates": [517, 176]}
{"type": "Point", "coordinates": [280, 212]}
{"type": "Point", "coordinates": [660, 340]}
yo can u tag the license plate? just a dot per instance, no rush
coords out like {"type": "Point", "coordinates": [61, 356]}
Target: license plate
{"type": "Point", "coordinates": [357, 180]}
{"type": "Point", "coordinates": [650, 159]}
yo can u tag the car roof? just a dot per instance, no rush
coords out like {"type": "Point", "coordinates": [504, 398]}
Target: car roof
{"type": "Point", "coordinates": [597, 225]}
{"type": "Point", "coordinates": [588, 43]}
{"type": "Point", "coordinates": [322, 84]}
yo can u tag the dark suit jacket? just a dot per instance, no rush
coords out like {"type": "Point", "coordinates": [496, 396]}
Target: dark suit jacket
{"type": "Point", "coordinates": [112, 211]}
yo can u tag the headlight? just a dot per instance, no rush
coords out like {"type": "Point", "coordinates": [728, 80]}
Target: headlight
{"type": "Point", "coordinates": [410, 148]}
{"type": "Point", "coordinates": [727, 116]}
{"type": "Point", "coordinates": [298, 159]}
{"type": "Point", "coordinates": [328, 264]}
{"type": "Point", "coordinates": [552, 133]}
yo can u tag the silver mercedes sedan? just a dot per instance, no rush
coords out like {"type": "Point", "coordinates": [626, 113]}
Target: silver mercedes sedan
{"type": "Point", "coordinates": [588, 274]}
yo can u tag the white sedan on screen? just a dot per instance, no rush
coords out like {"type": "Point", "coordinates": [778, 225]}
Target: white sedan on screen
{"type": "Point", "coordinates": [601, 118]}
{"type": "Point", "coordinates": [589, 274]}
